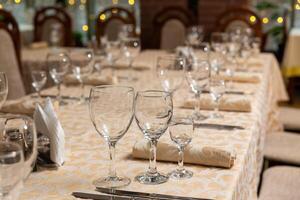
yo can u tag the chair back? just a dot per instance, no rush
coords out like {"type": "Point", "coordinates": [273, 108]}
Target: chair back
{"type": "Point", "coordinates": [170, 26]}
{"type": "Point", "coordinates": [53, 22]}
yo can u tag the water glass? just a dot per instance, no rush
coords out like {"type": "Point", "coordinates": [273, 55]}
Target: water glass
{"type": "Point", "coordinates": [153, 112]}
{"type": "Point", "coordinates": [217, 89]}
{"type": "Point", "coordinates": [194, 35]}
{"type": "Point", "coordinates": [219, 41]}
{"type": "Point", "coordinates": [113, 52]}
{"type": "Point", "coordinates": [82, 65]}
{"type": "Point", "coordinates": [39, 79]}
{"type": "Point", "coordinates": [58, 66]}
{"type": "Point", "coordinates": [111, 111]}
{"type": "Point", "coordinates": [197, 76]}
{"type": "Point", "coordinates": [11, 170]}
{"type": "Point", "coordinates": [3, 88]}
{"type": "Point", "coordinates": [170, 72]}
{"type": "Point", "coordinates": [181, 133]}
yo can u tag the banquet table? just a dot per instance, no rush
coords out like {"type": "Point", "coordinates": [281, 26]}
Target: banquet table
{"type": "Point", "coordinates": [87, 154]}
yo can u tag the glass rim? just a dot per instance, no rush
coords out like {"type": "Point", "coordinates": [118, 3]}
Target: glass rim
{"type": "Point", "coordinates": [145, 92]}
{"type": "Point", "coordinates": [99, 87]}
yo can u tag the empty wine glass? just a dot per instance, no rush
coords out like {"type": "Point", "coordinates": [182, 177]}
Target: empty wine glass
{"type": "Point", "coordinates": [58, 66]}
{"type": "Point", "coordinates": [131, 47]}
{"type": "Point", "coordinates": [194, 35]}
{"type": "Point", "coordinates": [39, 79]}
{"type": "Point", "coordinates": [217, 89]}
{"type": "Point", "coordinates": [219, 41]}
{"type": "Point", "coordinates": [126, 31]}
{"type": "Point", "coordinates": [111, 111]}
{"type": "Point", "coordinates": [170, 72]}
{"type": "Point", "coordinates": [11, 170]}
{"type": "Point", "coordinates": [82, 65]}
{"type": "Point", "coordinates": [113, 53]}
{"type": "Point", "coordinates": [197, 76]}
{"type": "Point", "coordinates": [181, 132]}
{"type": "Point", "coordinates": [3, 88]}
{"type": "Point", "coordinates": [153, 112]}
{"type": "Point", "coordinates": [55, 35]}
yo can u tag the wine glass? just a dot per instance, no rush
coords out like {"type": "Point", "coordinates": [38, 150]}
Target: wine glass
{"type": "Point", "coordinates": [58, 66]}
{"type": "Point", "coordinates": [217, 89]}
{"type": "Point", "coordinates": [131, 47]}
{"type": "Point", "coordinates": [39, 79]}
{"type": "Point", "coordinates": [11, 170]}
{"type": "Point", "coordinates": [126, 31]}
{"type": "Point", "coordinates": [218, 41]}
{"type": "Point", "coordinates": [113, 53]}
{"type": "Point", "coordinates": [82, 65]}
{"type": "Point", "coordinates": [55, 35]}
{"type": "Point", "coordinates": [153, 112]}
{"type": "Point", "coordinates": [3, 88]}
{"type": "Point", "coordinates": [194, 35]}
{"type": "Point", "coordinates": [181, 133]}
{"type": "Point", "coordinates": [197, 76]}
{"type": "Point", "coordinates": [170, 72]}
{"type": "Point", "coordinates": [111, 112]}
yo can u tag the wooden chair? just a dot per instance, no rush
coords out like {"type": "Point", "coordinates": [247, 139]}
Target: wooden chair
{"type": "Point", "coordinates": [240, 16]}
{"type": "Point", "coordinates": [10, 50]}
{"type": "Point", "coordinates": [110, 20]}
{"type": "Point", "coordinates": [54, 15]}
{"type": "Point", "coordinates": [176, 19]}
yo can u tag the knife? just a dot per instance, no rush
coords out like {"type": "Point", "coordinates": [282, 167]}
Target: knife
{"type": "Point", "coordinates": [84, 195]}
{"type": "Point", "coordinates": [228, 92]}
{"type": "Point", "coordinates": [63, 97]}
{"type": "Point", "coordinates": [218, 126]}
{"type": "Point", "coordinates": [144, 195]}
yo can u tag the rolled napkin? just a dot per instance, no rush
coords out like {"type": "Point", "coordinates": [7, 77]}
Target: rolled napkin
{"type": "Point", "coordinates": [193, 154]}
{"type": "Point", "coordinates": [236, 103]}
{"type": "Point", "coordinates": [48, 124]}
{"type": "Point", "coordinates": [93, 79]}
{"type": "Point", "coordinates": [38, 45]}
{"type": "Point", "coordinates": [138, 64]}
{"type": "Point", "coordinates": [241, 77]}
{"type": "Point", "coordinates": [24, 106]}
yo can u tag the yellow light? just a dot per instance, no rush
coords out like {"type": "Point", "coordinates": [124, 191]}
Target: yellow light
{"type": "Point", "coordinates": [298, 1]}
{"type": "Point", "coordinates": [83, 1]}
{"type": "Point", "coordinates": [1, 6]}
{"type": "Point", "coordinates": [265, 20]}
{"type": "Point", "coordinates": [17, 1]}
{"type": "Point", "coordinates": [71, 2]}
{"type": "Point", "coordinates": [279, 20]}
{"type": "Point", "coordinates": [131, 2]}
{"type": "Point", "coordinates": [102, 17]}
{"type": "Point", "coordinates": [297, 6]}
{"type": "Point", "coordinates": [85, 28]}
{"type": "Point", "coordinates": [115, 1]}
{"type": "Point", "coordinates": [252, 19]}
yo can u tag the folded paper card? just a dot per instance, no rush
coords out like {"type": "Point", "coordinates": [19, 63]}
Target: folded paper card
{"type": "Point", "coordinates": [193, 154]}
{"type": "Point", "coordinates": [48, 124]}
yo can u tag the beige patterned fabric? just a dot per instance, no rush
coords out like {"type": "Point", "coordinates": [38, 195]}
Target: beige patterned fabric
{"type": "Point", "coordinates": [87, 153]}
{"type": "Point", "coordinates": [172, 34]}
{"type": "Point", "coordinates": [9, 65]}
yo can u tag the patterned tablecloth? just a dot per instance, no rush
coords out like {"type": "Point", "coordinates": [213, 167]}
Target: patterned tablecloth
{"type": "Point", "coordinates": [87, 154]}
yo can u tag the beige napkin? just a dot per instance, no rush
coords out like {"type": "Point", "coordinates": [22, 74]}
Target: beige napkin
{"type": "Point", "coordinates": [39, 45]}
{"type": "Point", "coordinates": [241, 77]}
{"type": "Point", "coordinates": [20, 106]}
{"type": "Point", "coordinates": [194, 154]}
{"type": "Point", "coordinates": [93, 79]}
{"type": "Point", "coordinates": [235, 103]}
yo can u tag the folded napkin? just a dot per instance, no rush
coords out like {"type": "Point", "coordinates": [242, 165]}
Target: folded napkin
{"type": "Point", "coordinates": [48, 124]}
{"type": "Point", "coordinates": [241, 77]}
{"type": "Point", "coordinates": [138, 64]}
{"type": "Point", "coordinates": [93, 79]}
{"type": "Point", "coordinates": [38, 45]}
{"type": "Point", "coordinates": [194, 154]}
{"type": "Point", "coordinates": [235, 103]}
{"type": "Point", "coordinates": [20, 106]}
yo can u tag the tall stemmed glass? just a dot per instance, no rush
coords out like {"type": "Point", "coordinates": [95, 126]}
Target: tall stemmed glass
{"type": "Point", "coordinates": [131, 47]}
{"type": "Point", "coordinates": [194, 35]}
{"type": "Point", "coordinates": [39, 79]}
{"type": "Point", "coordinates": [170, 72]}
{"type": "Point", "coordinates": [82, 66]}
{"type": "Point", "coordinates": [113, 53]}
{"type": "Point", "coordinates": [219, 45]}
{"type": "Point", "coordinates": [111, 111]}
{"type": "Point", "coordinates": [11, 170]}
{"type": "Point", "coordinates": [153, 112]}
{"type": "Point", "coordinates": [3, 88]}
{"type": "Point", "coordinates": [181, 133]}
{"type": "Point", "coordinates": [58, 66]}
{"type": "Point", "coordinates": [197, 75]}
{"type": "Point", "coordinates": [217, 89]}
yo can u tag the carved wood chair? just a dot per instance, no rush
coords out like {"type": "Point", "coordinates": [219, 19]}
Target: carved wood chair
{"type": "Point", "coordinates": [51, 16]}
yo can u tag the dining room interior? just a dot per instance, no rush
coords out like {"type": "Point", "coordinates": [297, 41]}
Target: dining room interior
{"type": "Point", "coordinates": [150, 99]}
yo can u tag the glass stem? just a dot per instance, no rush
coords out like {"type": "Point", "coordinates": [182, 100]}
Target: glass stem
{"type": "Point", "coordinates": [39, 94]}
{"type": "Point", "coordinates": [58, 92]}
{"type": "Point", "coordinates": [152, 157]}
{"type": "Point", "coordinates": [112, 167]}
{"type": "Point", "coordinates": [198, 103]}
{"type": "Point", "coordinates": [216, 108]}
{"type": "Point", "coordinates": [180, 158]}
{"type": "Point", "coordinates": [82, 91]}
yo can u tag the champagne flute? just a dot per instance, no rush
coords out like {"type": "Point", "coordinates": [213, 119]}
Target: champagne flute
{"type": "Point", "coordinates": [111, 112]}
{"type": "Point", "coordinates": [170, 72]}
{"type": "Point", "coordinates": [217, 89]}
{"type": "Point", "coordinates": [153, 112]}
{"type": "Point", "coordinates": [197, 76]}
{"type": "Point", "coordinates": [82, 65]}
{"type": "Point", "coordinates": [11, 170]}
{"type": "Point", "coordinates": [181, 133]}
{"type": "Point", "coordinates": [39, 79]}
{"type": "Point", "coordinates": [3, 88]}
{"type": "Point", "coordinates": [58, 66]}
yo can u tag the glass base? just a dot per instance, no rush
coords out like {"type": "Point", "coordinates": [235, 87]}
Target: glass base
{"type": "Point", "coordinates": [180, 174]}
{"type": "Point", "coordinates": [152, 179]}
{"type": "Point", "coordinates": [217, 116]}
{"type": "Point", "coordinates": [111, 182]}
{"type": "Point", "coordinates": [198, 116]}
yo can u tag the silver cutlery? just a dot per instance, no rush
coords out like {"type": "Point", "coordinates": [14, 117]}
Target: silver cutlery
{"type": "Point", "coordinates": [84, 195]}
{"type": "Point", "coordinates": [219, 126]}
